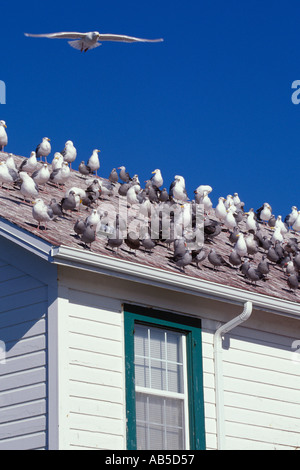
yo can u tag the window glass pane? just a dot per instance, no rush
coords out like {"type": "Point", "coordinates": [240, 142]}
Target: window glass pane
{"type": "Point", "coordinates": [160, 423]}
{"type": "Point", "coordinates": [158, 359]}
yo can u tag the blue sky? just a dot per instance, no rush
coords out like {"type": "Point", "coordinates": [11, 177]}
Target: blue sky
{"type": "Point", "coordinates": [211, 103]}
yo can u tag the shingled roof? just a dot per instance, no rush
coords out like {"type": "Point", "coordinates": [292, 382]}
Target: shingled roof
{"type": "Point", "coordinates": [61, 233]}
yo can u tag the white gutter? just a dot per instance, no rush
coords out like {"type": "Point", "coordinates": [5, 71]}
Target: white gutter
{"type": "Point", "coordinates": [149, 275]}
{"type": "Point", "coordinates": [218, 363]}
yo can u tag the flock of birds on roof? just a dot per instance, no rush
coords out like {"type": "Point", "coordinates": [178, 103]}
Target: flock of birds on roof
{"type": "Point", "coordinates": [248, 232]}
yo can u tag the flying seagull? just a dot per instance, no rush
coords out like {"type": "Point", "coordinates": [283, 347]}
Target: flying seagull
{"type": "Point", "coordinates": [90, 40]}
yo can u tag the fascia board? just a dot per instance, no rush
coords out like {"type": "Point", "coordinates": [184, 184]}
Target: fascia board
{"type": "Point", "coordinates": [136, 272]}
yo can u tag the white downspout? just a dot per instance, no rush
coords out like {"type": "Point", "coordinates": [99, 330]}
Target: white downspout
{"type": "Point", "coordinates": [219, 370]}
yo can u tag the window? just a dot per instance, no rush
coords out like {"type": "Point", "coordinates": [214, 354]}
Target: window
{"type": "Point", "coordinates": [164, 389]}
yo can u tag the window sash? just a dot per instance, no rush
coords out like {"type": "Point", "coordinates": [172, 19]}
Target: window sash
{"type": "Point", "coordinates": [192, 328]}
{"type": "Point", "coordinates": [161, 393]}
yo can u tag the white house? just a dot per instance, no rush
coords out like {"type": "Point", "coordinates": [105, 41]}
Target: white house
{"type": "Point", "coordinates": [124, 351]}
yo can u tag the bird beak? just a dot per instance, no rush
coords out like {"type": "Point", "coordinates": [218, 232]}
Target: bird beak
{"type": "Point", "coordinates": [5, 126]}
{"type": "Point", "coordinates": [98, 151]}
{"type": "Point", "coordinates": [48, 140]}
{"type": "Point", "coordinates": [153, 172]}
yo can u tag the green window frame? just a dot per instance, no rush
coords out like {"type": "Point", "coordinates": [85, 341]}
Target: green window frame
{"type": "Point", "coordinates": [191, 327]}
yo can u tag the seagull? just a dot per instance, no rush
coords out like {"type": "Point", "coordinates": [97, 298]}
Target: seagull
{"type": "Point", "coordinates": [3, 135]}
{"type": "Point", "coordinates": [220, 210]}
{"type": "Point", "coordinates": [124, 175]}
{"type": "Point", "coordinates": [90, 40]}
{"type": "Point", "coordinates": [29, 188]}
{"type": "Point", "coordinates": [157, 179]}
{"type": "Point", "coordinates": [42, 175]}
{"type": "Point", "coordinates": [29, 164]}
{"type": "Point", "coordinates": [41, 212]}
{"type": "Point", "coordinates": [69, 153]}
{"type": "Point", "coordinates": [43, 149]}
{"type": "Point", "coordinates": [93, 162]}
{"type": "Point", "coordinates": [7, 175]}
{"type": "Point", "coordinates": [57, 161]}
{"type": "Point", "coordinates": [10, 163]}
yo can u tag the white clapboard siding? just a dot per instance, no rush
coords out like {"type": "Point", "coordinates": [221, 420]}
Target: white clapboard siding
{"type": "Point", "coordinates": [23, 311]}
{"type": "Point", "coordinates": [261, 388]}
{"type": "Point", "coordinates": [95, 372]}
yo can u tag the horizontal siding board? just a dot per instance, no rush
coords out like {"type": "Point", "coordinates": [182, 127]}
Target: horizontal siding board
{"type": "Point", "coordinates": [260, 361]}
{"type": "Point", "coordinates": [21, 379]}
{"type": "Point", "coordinates": [22, 411]}
{"type": "Point", "coordinates": [95, 440]}
{"type": "Point", "coordinates": [19, 299]}
{"type": "Point", "coordinates": [262, 419]}
{"type": "Point", "coordinates": [263, 434]}
{"type": "Point", "coordinates": [255, 374]}
{"type": "Point", "coordinates": [32, 441]}
{"type": "Point", "coordinates": [96, 407]}
{"type": "Point", "coordinates": [98, 345]}
{"type": "Point", "coordinates": [96, 392]}
{"type": "Point", "coordinates": [263, 404]}
{"type": "Point", "coordinates": [29, 361]}
{"type": "Point", "coordinates": [21, 427]}
{"type": "Point", "coordinates": [23, 314]}
{"type": "Point", "coordinates": [96, 329]}
{"type": "Point", "coordinates": [102, 305]}
{"type": "Point", "coordinates": [25, 346]}
{"type": "Point", "coordinates": [9, 272]}
{"type": "Point", "coordinates": [96, 376]}
{"type": "Point", "coordinates": [264, 390]}
{"type": "Point", "coordinates": [97, 424]}
{"type": "Point", "coordinates": [21, 284]}
{"type": "Point", "coordinates": [95, 360]}
{"type": "Point", "coordinates": [23, 330]}
{"type": "Point", "coordinates": [22, 395]}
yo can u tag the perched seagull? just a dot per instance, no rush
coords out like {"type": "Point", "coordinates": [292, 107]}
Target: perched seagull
{"type": "Point", "coordinates": [124, 175]}
{"type": "Point", "coordinates": [7, 175]}
{"type": "Point", "coordinates": [157, 179]}
{"type": "Point", "coordinates": [43, 149]}
{"type": "Point", "coordinates": [93, 162]}
{"type": "Point", "coordinates": [42, 175]}
{"type": "Point", "coordinates": [41, 212]}
{"type": "Point", "coordinates": [220, 210]}
{"type": "Point", "coordinates": [57, 161]}
{"type": "Point", "coordinates": [10, 163]}
{"type": "Point", "coordinates": [60, 175]}
{"type": "Point", "coordinates": [3, 135]}
{"type": "Point", "coordinates": [29, 188]}
{"type": "Point", "coordinates": [84, 169]}
{"type": "Point", "coordinates": [86, 41]}
{"type": "Point", "coordinates": [29, 164]}
{"type": "Point", "coordinates": [69, 152]}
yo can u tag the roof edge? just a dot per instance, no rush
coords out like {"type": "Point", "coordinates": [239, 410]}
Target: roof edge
{"type": "Point", "coordinates": [26, 240]}
{"type": "Point", "coordinates": [136, 272]}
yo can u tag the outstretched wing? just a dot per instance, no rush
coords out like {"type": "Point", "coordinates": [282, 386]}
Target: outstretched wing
{"type": "Point", "coordinates": [123, 38]}
{"type": "Point", "coordinates": [62, 35]}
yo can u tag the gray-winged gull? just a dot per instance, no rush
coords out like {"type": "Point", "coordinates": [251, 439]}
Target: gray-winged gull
{"type": "Point", "coordinates": [3, 135]}
{"type": "Point", "coordinates": [43, 149]}
{"type": "Point", "coordinates": [157, 179]}
{"type": "Point", "coordinates": [60, 175]}
{"type": "Point", "coordinates": [29, 188]}
{"type": "Point", "coordinates": [29, 164]}
{"type": "Point", "coordinates": [90, 40]}
{"type": "Point", "coordinates": [69, 153]}
{"type": "Point", "coordinates": [94, 162]}
{"type": "Point", "coordinates": [41, 212]}
{"type": "Point", "coordinates": [42, 175]}
{"type": "Point", "coordinates": [7, 175]}
{"type": "Point", "coordinates": [124, 175]}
